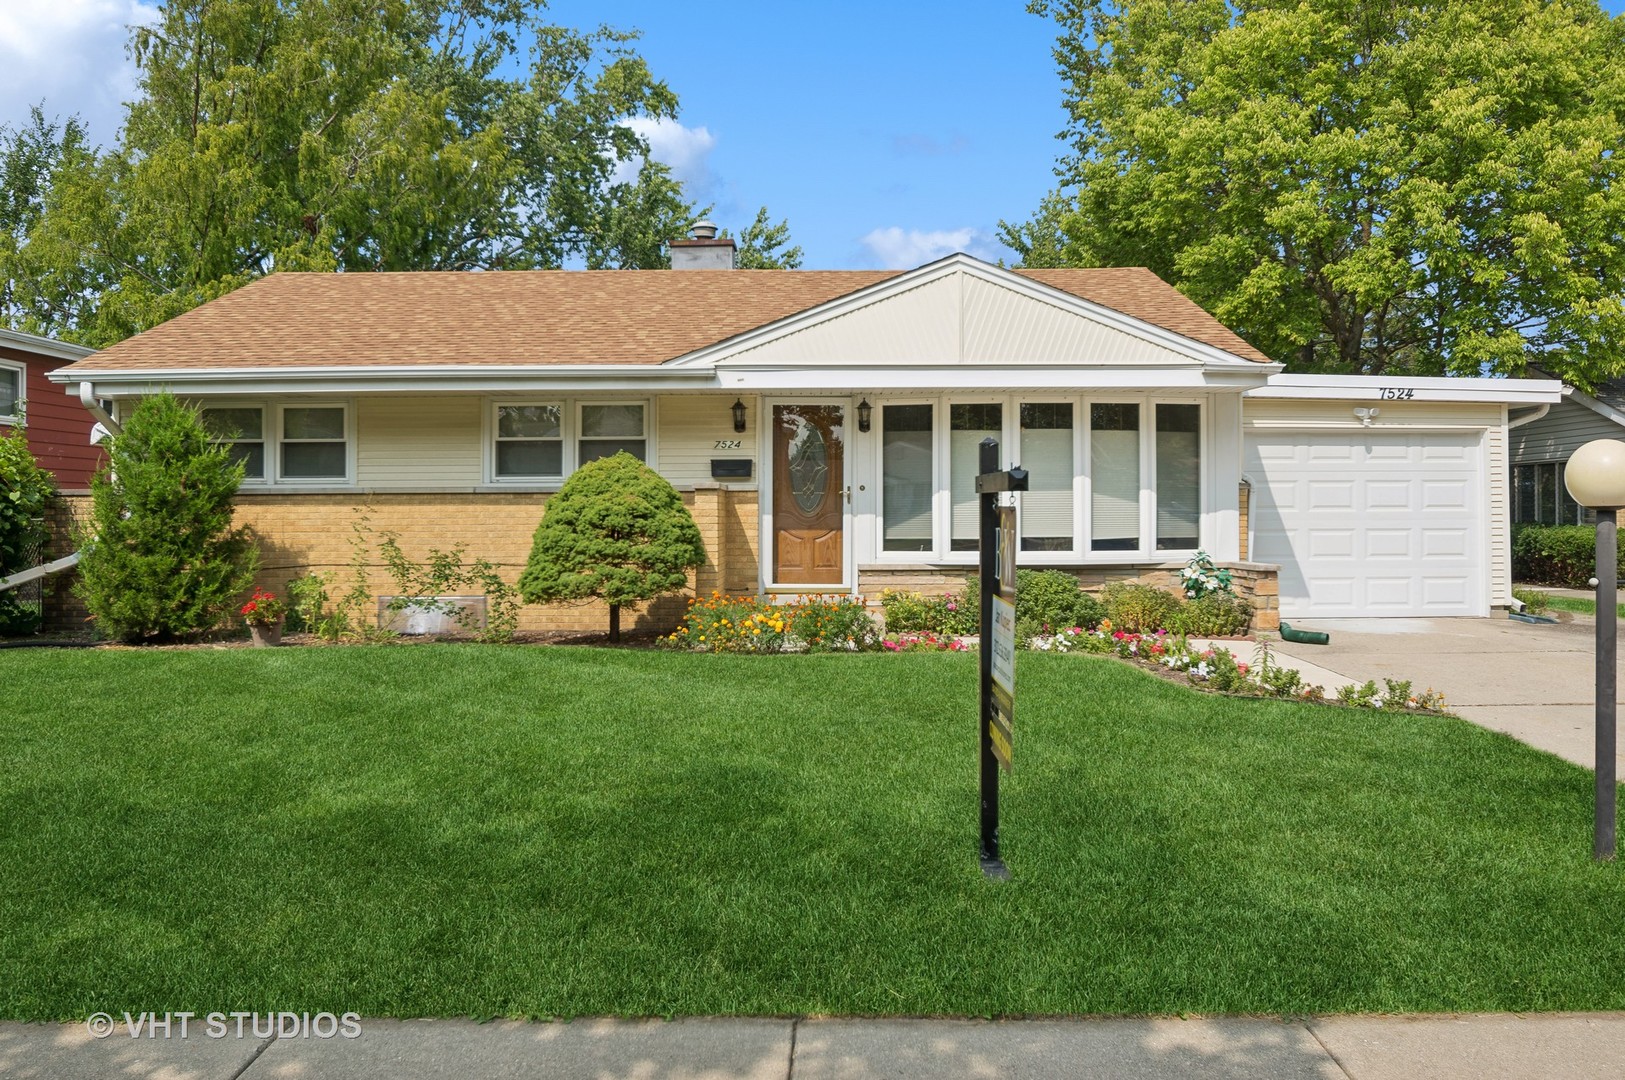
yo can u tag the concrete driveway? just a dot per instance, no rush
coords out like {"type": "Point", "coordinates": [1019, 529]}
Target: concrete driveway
{"type": "Point", "coordinates": [1534, 682]}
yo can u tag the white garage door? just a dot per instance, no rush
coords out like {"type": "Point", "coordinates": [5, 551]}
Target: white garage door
{"type": "Point", "coordinates": [1371, 523]}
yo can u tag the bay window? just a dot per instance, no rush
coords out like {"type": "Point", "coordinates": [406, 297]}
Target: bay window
{"type": "Point", "coordinates": [1046, 454]}
{"type": "Point", "coordinates": [1179, 477]}
{"type": "Point", "coordinates": [968, 425]}
{"type": "Point", "coordinates": [908, 477]}
{"type": "Point", "coordinates": [1108, 480]}
{"type": "Point", "coordinates": [1114, 468]}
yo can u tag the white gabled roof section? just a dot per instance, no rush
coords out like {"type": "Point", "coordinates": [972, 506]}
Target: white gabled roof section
{"type": "Point", "coordinates": [962, 312]}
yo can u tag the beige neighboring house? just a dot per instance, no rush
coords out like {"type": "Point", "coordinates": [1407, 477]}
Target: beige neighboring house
{"type": "Point", "coordinates": [821, 425]}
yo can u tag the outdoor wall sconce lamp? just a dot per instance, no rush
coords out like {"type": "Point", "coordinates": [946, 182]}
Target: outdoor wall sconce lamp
{"type": "Point", "coordinates": [1366, 416]}
{"type": "Point", "coordinates": [1596, 478]}
{"type": "Point", "coordinates": [866, 413]}
{"type": "Point", "coordinates": [739, 416]}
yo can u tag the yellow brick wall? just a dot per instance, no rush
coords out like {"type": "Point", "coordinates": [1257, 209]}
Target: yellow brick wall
{"type": "Point", "coordinates": [1245, 499]}
{"type": "Point", "coordinates": [310, 533]}
{"type": "Point", "coordinates": [1254, 581]}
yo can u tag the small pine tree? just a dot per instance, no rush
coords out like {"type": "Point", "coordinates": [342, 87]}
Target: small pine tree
{"type": "Point", "coordinates": [25, 489]}
{"type": "Point", "coordinates": [160, 559]}
{"type": "Point", "coordinates": [616, 531]}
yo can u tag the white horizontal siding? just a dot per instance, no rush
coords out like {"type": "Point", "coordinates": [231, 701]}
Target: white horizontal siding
{"type": "Point", "coordinates": [419, 441]}
{"type": "Point", "coordinates": [1562, 431]}
{"type": "Point", "coordinates": [1495, 444]}
{"type": "Point", "coordinates": [688, 428]}
{"type": "Point", "coordinates": [1291, 412]}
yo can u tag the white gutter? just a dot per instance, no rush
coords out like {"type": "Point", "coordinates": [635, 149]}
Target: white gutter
{"type": "Point", "coordinates": [1539, 411]}
{"type": "Point", "coordinates": [483, 378]}
{"type": "Point", "coordinates": [87, 398]}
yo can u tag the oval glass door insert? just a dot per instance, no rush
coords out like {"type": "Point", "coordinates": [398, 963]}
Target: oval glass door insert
{"type": "Point", "coordinates": [809, 468]}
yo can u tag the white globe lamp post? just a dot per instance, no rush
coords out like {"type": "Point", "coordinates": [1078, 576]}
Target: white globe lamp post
{"type": "Point", "coordinates": [1595, 477]}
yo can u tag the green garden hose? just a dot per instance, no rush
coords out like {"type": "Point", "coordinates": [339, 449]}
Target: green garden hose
{"type": "Point", "coordinates": [1303, 637]}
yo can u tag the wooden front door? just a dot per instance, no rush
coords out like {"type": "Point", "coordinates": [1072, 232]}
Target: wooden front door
{"type": "Point", "coordinates": [809, 494]}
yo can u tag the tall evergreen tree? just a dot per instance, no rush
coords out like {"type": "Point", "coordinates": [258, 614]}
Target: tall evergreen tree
{"type": "Point", "coordinates": [160, 557]}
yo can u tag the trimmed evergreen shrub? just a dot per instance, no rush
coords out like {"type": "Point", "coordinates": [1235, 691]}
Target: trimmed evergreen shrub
{"type": "Point", "coordinates": [25, 489]}
{"type": "Point", "coordinates": [1054, 599]}
{"type": "Point", "coordinates": [1561, 555]}
{"type": "Point", "coordinates": [616, 531]}
{"type": "Point", "coordinates": [161, 559]}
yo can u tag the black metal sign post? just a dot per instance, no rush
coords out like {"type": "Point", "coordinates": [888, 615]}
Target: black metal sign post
{"type": "Point", "coordinates": [990, 482]}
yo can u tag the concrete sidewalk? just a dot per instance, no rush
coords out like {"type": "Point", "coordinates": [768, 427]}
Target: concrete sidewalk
{"type": "Point", "coordinates": [1496, 1046]}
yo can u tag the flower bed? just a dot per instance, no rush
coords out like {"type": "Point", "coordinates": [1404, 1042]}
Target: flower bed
{"type": "Point", "coordinates": [1218, 669]}
{"type": "Point", "coordinates": [753, 624]}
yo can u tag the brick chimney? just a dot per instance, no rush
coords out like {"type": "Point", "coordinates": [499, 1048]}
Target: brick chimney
{"type": "Point", "coordinates": [702, 251]}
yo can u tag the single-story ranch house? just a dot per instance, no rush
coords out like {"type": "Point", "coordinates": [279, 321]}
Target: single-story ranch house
{"type": "Point", "coordinates": [823, 426]}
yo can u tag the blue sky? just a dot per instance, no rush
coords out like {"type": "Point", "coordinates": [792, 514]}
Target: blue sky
{"type": "Point", "coordinates": [887, 134]}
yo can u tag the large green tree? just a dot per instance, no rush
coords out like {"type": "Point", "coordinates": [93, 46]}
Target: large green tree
{"type": "Point", "coordinates": [337, 134]}
{"type": "Point", "coordinates": [1355, 185]}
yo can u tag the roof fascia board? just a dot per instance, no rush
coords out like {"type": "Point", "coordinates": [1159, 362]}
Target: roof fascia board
{"type": "Point", "coordinates": [60, 350]}
{"type": "Point", "coordinates": [330, 381]}
{"type": "Point", "coordinates": [719, 353]}
{"type": "Point", "coordinates": [1048, 377]}
{"type": "Point", "coordinates": [1380, 388]}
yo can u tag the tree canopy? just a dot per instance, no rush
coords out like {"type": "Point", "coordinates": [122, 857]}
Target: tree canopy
{"type": "Point", "coordinates": [1414, 187]}
{"type": "Point", "coordinates": [335, 135]}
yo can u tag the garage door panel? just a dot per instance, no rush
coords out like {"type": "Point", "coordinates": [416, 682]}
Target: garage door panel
{"type": "Point", "coordinates": [1331, 543]}
{"type": "Point", "coordinates": [1371, 523]}
{"type": "Point", "coordinates": [1444, 495]}
{"type": "Point", "coordinates": [1331, 495]}
{"type": "Point", "coordinates": [1389, 544]}
{"type": "Point", "coordinates": [1388, 494]}
{"type": "Point", "coordinates": [1444, 544]}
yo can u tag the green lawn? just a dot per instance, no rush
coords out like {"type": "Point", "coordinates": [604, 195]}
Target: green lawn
{"type": "Point", "coordinates": [1577, 604]}
{"type": "Point", "coordinates": [443, 830]}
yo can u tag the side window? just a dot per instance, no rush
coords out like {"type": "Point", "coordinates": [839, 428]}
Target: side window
{"type": "Point", "coordinates": [242, 429]}
{"type": "Point", "coordinates": [529, 442]}
{"type": "Point", "coordinates": [314, 443]}
{"type": "Point", "coordinates": [606, 430]}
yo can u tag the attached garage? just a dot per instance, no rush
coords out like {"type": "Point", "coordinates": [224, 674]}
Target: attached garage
{"type": "Point", "coordinates": [1383, 498]}
{"type": "Point", "coordinates": [1372, 523]}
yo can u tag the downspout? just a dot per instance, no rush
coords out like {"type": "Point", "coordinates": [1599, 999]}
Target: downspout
{"type": "Point", "coordinates": [1540, 411]}
{"type": "Point", "coordinates": [87, 398]}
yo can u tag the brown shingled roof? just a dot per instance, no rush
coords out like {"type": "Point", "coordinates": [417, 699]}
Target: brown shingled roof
{"type": "Point", "coordinates": [550, 316]}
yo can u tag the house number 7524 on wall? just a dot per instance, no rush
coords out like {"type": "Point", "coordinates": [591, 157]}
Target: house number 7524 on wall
{"type": "Point", "coordinates": [728, 444]}
{"type": "Point", "coordinates": [1396, 393]}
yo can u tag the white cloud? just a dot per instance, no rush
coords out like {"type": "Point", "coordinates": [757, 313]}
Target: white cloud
{"type": "Point", "coordinates": [685, 150]}
{"type": "Point", "coordinates": [70, 53]}
{"type": "Point", "coordinates": [898, 249]}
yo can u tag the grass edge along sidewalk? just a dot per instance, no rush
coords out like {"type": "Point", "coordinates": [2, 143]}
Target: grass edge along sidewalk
{"type": "Point", "coordinates": [447, 831]}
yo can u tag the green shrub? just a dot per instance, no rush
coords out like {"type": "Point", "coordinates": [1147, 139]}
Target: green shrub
{"type": "Point", "coordinates": [1535, 602]}
{"type": "Point", "coordinates": [25, 489]}
{"type": "Point", "coordinates": [1055, 600]}
{"type": "Point", "coordinates": [1216, 614]}
{"type": "Point", "coordinates": [1140, 609]}
{"type": "Point", "coordinates": [616, 531]}
{"type": "Point", "coordinates": [307, 607]}
{"type": "Point", "coordinates": [916, 613]}
{"type": "Point", "coordinates": [1560, 555]}
{"type": "Point", "coordinates": [161, 559]}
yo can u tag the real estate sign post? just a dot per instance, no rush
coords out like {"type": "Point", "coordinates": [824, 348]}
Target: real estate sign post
{"type": "Point", "coordinates": [998, 651]}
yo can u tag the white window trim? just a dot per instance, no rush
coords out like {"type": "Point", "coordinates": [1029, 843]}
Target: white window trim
{"type": "Point", "coordinates": [20, 414]}
{"type": "Point", "coordinates": [1203, 487]}
{"type": "Point", "coordinates": [878, 430]}
{"type": "Point", "coordinates": [273, 470]}
{"type": "Point", "coordinates": [569, 434]}
{"type": "Point", "coordinates": [1081, 554]}
{"type": "Point", "coordinates": [265, 440]}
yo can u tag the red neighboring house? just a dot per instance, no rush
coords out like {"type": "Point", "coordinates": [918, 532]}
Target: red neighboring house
{"type": "Point", "coordinates": [58, 425]}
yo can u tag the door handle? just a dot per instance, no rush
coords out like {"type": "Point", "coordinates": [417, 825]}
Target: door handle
{"type": "Point", "coordinates": [847, 492]}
